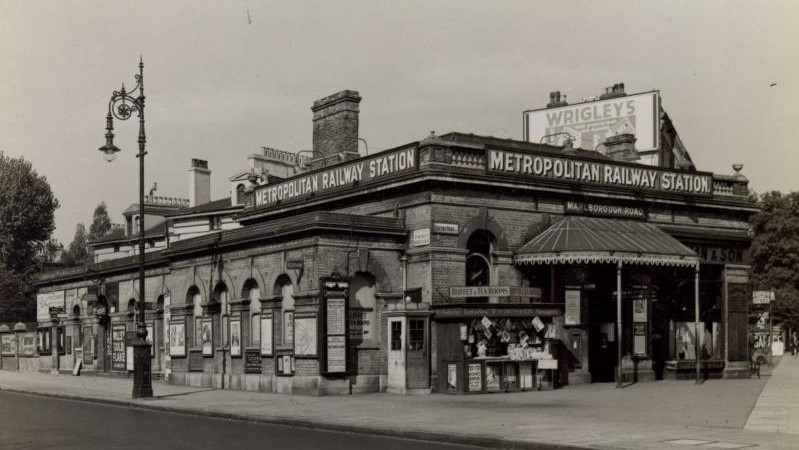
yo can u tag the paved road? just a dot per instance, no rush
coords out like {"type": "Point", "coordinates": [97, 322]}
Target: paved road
{"type": "Point", "coordinates": [33, 422]}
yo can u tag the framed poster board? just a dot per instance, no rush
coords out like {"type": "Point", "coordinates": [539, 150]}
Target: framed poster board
{"type": "Point", "coordinates": [474, 377]}
{"type": "Point", "coordinates": [640, 304]}
{"type": "Point", "coordinates": [88, 345]}
{"type": "Point", "coordinates": [267, 333]}
{"type": "Point", "coordinates": [28, 343]}
{"type": "Point", "coordinates": [151, 338]}
{"type": "Point", "coordinates": [235, 337]}
{"type": "Point", "coordinates": [207, 337]}
{"type": "Point", "coordinates": [573, 308]}
{"type": "Point", "coordinates": [252, 361]}
{"type": "Point", "coordinates": [452, 377]}
{"type": "Point", "coordinates": [196, 363]}
{"type": "Point", "coordinates": [177, 338]}
{"type": "Point", "coordinates": [305, 337]}
{"type": "Point", "coordinates": [639, 339]}
{"type": "Point", "coordinates": [9, 344]}
{"type": "Point", "coordinates": [284, 364]}
{"type": "Point", "coordinates": [335, 293]}
{"type": "Point", "coordinates": [119, 351]}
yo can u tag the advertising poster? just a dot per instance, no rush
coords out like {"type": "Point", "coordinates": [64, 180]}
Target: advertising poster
{"type": "Point", "coordinates": [305, 336]}
{"type": "Point", "coordinates": [150, 338]}
{"type": "Point", "coordinates": [288, 328]}
{"type": "Point", "coordinates": [336, 354]}
{"type": "Point", "coordinates": [252, 361]}
{"type": "Point", "coordinates": [573, 309]}
{"type": "Point", "coordinates": [335, 315]}
{"type": "Point", "coordinates": [266, 334]}
{"type": "Point", "coordinates": [177, 338]}
{"type": "Point", "coordinates": [685, 340]}
{"type": "Point", "coordinates": [207, 337]}
{"type": "Point", "coordinates": [28, 343]}
{"type": "Point", "coordinates": [639, 309]}
{"type": "Point", "coordinates": [119, 354]}
{"type": "Point", "coordinates": [235, 336]}
{"type": "Point", "coordinates": [639, 339]}
{"type": "Point", "coordinates": [452, 377]}
{"type": "Point", "coordinates": [475, 375]}
{"type": "Point", "coordinates": [9, 344]}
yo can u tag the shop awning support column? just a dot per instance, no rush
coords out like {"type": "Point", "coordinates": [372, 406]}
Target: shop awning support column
{"type": "Point", "coordinates": [618, 325]}
{"type": "Point", "coordinates": [696, 325]}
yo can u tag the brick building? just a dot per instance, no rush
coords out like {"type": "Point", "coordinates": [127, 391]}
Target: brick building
{"type": "Point", "coordinates": [457, 263]}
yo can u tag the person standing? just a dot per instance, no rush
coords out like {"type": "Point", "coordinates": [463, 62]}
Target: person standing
{"type": "Point", "coordinates": [794, 344]}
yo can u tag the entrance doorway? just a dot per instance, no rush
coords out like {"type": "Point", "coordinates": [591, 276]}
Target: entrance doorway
{"type": "Point", "coordinates": [418, 363]}
{"type": "Point", "coordinates": [602, 347]}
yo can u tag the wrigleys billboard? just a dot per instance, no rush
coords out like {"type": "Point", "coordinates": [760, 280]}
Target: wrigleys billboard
{"type": "Point", "coordinates": [589, 123]}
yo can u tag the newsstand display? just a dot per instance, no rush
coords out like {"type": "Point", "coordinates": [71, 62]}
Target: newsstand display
{"type": "Point", "coordinates": [503, 355]}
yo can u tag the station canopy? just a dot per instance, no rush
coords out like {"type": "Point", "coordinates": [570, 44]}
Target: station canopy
{"type": "Point", "coordinates": [575, 240]}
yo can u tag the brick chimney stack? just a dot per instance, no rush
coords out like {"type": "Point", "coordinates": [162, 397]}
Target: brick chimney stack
{"type": "Point", "coordinates": [335, 128]}
{"type": "Point", "coordinates": [622, 147]}
{"type": "Point", "coordinates": [199, 182]}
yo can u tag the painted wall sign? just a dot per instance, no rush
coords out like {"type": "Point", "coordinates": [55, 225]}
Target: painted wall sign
{"type": "Point", "coordinates": [634, 176]}
{"type": "Point", "coordinates": [252, 361]}
{"type": "Point", "coordinates": [420, 237]}
{"type": "Point", "coordinates": [360, 324]}
{"type": "Point", "coordinates": [463, 312]}
{"type": "Point", "coordinates": [118, 347]}
{"type": "Point", "coordinates": [446, 228]}
{"type": "Point", "coordinates": [596, 209]}
{"type": "Point", "coordinates": [593, 121]}
{"type": "Point", "coordinates": [363, 171]}
{"type": "Point", "coordinates": [46, 300]}
{"type": "Point", "coordinates": [295, 265]}
{"type": "Point", "coordinates": [494, 291]}
{"type": "Point", "coordinates": [721, 254]}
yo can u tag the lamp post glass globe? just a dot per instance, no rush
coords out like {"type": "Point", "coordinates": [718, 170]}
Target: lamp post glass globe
{"type": "Point", "coordinates": [109, 151]}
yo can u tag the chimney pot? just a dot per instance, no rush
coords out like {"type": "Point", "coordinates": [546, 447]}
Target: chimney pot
{"type": "Point", "coordinates": [199, 182]}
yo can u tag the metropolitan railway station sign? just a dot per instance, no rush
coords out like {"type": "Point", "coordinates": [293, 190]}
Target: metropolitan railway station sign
{"type": "Point", "coordinates": [609, 174]}
{"type": "Point", "coordinates": [358, 173]}
{"type": "Point", "coordinates": [528, 165]}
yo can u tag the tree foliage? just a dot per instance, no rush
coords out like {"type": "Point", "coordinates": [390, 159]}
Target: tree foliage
{"type": "Point", "coordinates": [101, 223]}
{"type": "Point", "coordinates": [775, 253]}
{"type": "Point", "coordinates": [77, 252]}
{"type": "Point", "coordinates": [27, 207]}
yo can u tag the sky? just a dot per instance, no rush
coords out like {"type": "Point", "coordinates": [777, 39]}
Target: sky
{"type": "Point", "coordinates": [223, 79]}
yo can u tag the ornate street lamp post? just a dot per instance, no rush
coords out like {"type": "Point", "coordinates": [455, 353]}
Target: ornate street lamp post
{"type": "Point", "coordinates": [122, 106]}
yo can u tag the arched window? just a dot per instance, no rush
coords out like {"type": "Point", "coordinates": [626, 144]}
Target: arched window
{"type": "Point", "coordinates": [76, 311]}
{"type": "Point", "coordinates": [362, 303]}
{"type": "Point", "coordinates": [132, 305]}
{"type": "Point", "coordinates": [159, 304]}
{"type": "Point", "coordinates": [221, 297]}
{"type": "Point", "coordinates": [478, 262]}
{"type": "Point", "coordinates": [193, 297]}
{"type": "Point", "coordinates": [285, 290]}
{"type": "Point", "coordinates": [251, 291]}
{"type": "Point", "coordinates": [240, 193]}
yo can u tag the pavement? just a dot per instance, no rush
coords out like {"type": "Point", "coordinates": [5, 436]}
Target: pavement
{"type": "Point", "coordinates": [671, 414]}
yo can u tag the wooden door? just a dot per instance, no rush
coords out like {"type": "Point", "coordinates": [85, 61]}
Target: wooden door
{"type": "Point", "coordinates": [417, 361]}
